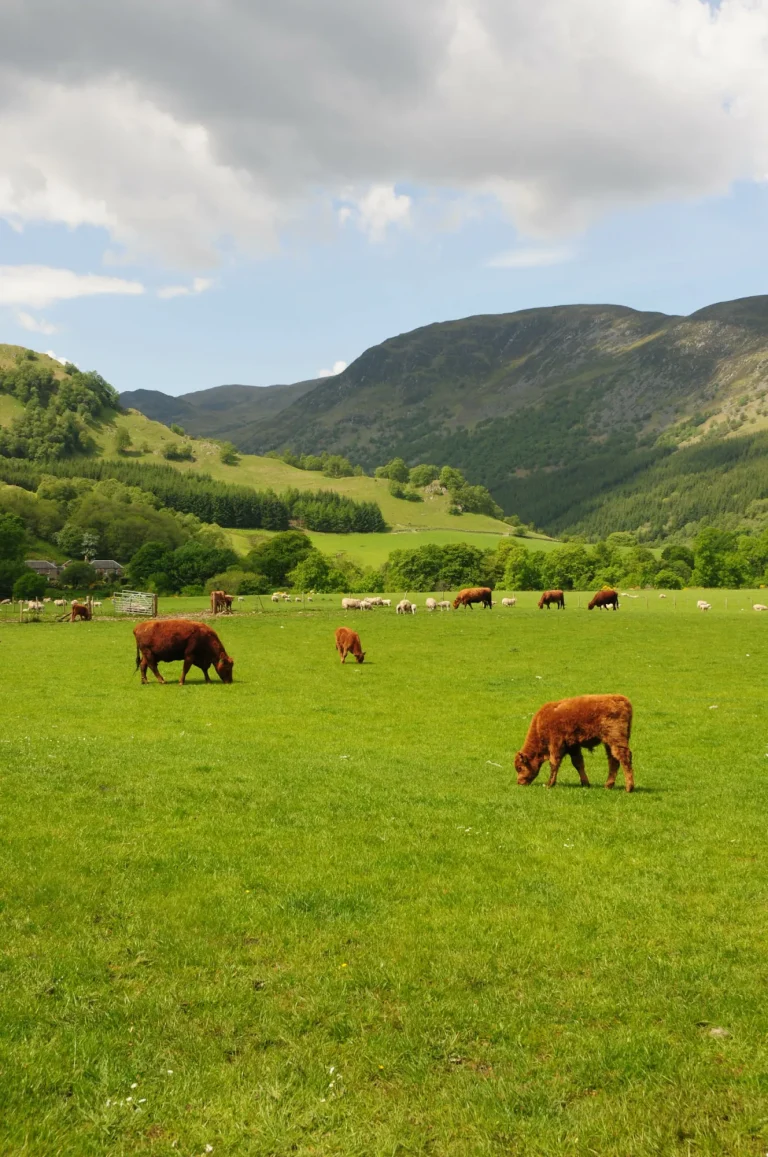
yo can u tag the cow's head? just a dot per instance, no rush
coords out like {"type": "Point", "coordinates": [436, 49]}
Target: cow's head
{"type": "Point", "coordinates": [360, 656]}
{"type": "Point", "coordinates": [456, 602]}
{"type": "Point", "coordinates": [527, 768]}
{"type": "Point", "coordinates": [224, 668]}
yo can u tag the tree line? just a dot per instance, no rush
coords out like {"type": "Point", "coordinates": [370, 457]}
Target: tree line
{"type": "Point", "coordinates": [222, 503]}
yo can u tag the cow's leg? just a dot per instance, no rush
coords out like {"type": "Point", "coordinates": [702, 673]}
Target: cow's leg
{"type": "Point", "coordinates": [149, 661]}
{"type": "Point", "coordinates": [555, 759]}
{"type": "Point", "coordinates": [577, 759]}
{"type": "Point", "coordinates": [624, 757]}
{"type": "Point", "coordinates": [613, 766]}
{"type": "Point", "coordinates": [343, 653]}
{"type": "Point", "coordinates": [185, 671]}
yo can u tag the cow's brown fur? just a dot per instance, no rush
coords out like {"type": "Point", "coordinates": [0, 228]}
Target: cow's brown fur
{"type": "Point", "coordinates": [563, 727]}
{"type": "Point", "coordinates": [606, 598]}
{"type": "Point", "coordinates": [221, 601]}
{"type": "Point", "coordinates": [472, 595]}
{"type": "Point", "coordinates": [348, 643]}
{"type": "Point", "coordinates": [80, 611]}
{"type": "Point", "coordinates": [168, 640]}
{"type": "Point", "coordinates": [556, 597]}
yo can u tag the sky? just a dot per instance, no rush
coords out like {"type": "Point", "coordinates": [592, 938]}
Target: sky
{"type": "Point", "coordinates": [202, 192]}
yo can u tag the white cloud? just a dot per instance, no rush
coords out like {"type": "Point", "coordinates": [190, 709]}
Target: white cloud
{"type": "Point", "coordinates": [188, 139]}
{"type": "Point", "coordinates": [35, 324]}
{"type": "Point", "coordinates": [338, 368]}
{"type": "Point", "coordinates": [375, 210]}
{"type": "Point", "coordinates": [530, 258]}
{"type": "Point", "coordinates": [199, 285]}
{"type": "Point", "coordinates": [63, 361]}
{"type": "Point", "coordinates": [40, 285]}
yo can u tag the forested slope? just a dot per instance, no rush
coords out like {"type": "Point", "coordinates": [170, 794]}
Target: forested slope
{"type": "Point", "coordinates": [556, 410]}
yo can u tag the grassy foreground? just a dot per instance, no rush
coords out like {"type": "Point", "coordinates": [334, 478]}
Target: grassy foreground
{"type": "Point", "coordinates": [311, 913]}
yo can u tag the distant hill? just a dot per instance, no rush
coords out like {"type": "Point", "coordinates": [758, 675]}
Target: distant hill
{"type": "Point", "coordinates": [553, 409]}
{"type": "Point", "coordinates": [221, 412]}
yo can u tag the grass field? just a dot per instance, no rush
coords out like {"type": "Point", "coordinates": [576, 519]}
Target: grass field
{"type": "Point", "coordinates": [374, 549]}
{"type": "Point", "coordinates": [312, 913]}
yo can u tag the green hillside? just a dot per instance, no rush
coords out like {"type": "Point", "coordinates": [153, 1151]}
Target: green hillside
{"type": "Point", "coordinates": [555, 410]}
{"type": "Point", "coordinates": [270, 472]}
{"type": "Point", "coordinates": [421, 523]}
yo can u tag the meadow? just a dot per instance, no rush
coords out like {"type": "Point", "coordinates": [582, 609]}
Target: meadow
{"type": "Point", "coordinates": [312, 913]}
{"type": "Point", "coordinates": [375, 549]}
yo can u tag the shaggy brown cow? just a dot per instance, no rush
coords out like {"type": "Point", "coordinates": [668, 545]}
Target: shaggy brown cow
{"type": "Point", "coordinates": [565, 726]}
{"type": "Point", "coordinates": [168, 640]}
{"type": "Point", "coordinates": [604, 599]}
{"type": "Point", "coordinates": [556, 597]}
{"type": "Point", "coordinates": [348, 643]}
{"type": "Point", "coordinates": [80, 611]}
{"type": "Point", "coordinates": [472, 595]}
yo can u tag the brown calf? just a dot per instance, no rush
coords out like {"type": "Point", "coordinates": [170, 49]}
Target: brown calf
{"type": "Point", "coordinates": [563, 727]}
{"type": "Point", "coordinates": [348, 643]}
{"type": "Point", "coordinates": [556, 597]}
{"type": "Point", "coordinates": [80, 611]}
{"type": "Point", "coordinates": [168, 640]}
{"type": "Point", "coordinates": [472, 595]}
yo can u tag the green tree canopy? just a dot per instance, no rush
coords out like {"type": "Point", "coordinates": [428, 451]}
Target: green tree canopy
{"type": "Point", "coordinates": [30, 585]}
{"type": "Point", "coordinates": [279, 555]}
{"type": "Point", "coordinates": [78, 576]}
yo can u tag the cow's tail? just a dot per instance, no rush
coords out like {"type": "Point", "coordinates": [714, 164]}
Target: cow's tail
{"type": "Point", "coordinates": [138, 657]}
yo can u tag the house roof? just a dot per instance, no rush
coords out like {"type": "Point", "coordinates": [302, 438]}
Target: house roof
{"type": "Point", "coordinates": [103, 563]}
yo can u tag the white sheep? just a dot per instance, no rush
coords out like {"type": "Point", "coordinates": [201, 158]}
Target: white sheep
{"type": "Point", "coordinates": [431, 605]}
{"type": "Point", "coordinates": [350, 604]}
{"type": "Point", "coordinates": [760, 607]}
{"type": "Point", "coordinates": [704, 606]}
{"type": "Point", "coordinates": [509, 602]}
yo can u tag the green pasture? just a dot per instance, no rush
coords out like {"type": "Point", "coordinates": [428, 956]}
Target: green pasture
{"type": "Point", "coordinates": [312, 913]}
{"type": "Point", "coordinates": [375, 549]}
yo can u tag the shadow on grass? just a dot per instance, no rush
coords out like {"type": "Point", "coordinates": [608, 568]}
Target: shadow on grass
{"type": "Point", "coordinates": [617, 790]}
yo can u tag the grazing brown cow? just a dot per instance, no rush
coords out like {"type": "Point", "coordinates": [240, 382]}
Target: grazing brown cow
{"type": "Point", "coordinates": [472, 595]}
{"type": "Point", "coordinates": [348, 643]}
{"type": "Point", "coordinates": [168, 640]}
{"type": "Point", "coordinates": [605, 599]}
{"type": "Point", "coordinates": [221, 602]}
{"type": "Point", "coordinates": [80, 611]}
{"type": "Point", "coordinates": [565, 726]}
{"type": "Point", "coordinates": [556, 597]}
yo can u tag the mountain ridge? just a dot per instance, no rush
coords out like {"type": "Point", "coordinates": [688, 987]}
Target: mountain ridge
{"type": "Point", "coordinates": [548, 407]}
